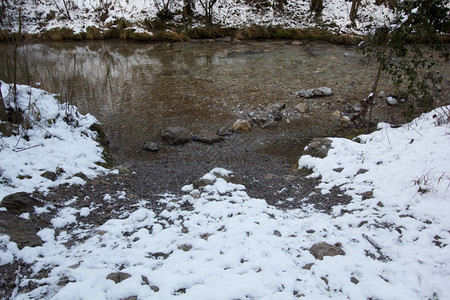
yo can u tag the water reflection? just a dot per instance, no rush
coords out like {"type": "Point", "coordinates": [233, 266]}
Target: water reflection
{"type": "Point", "coordinates": [138, 89]}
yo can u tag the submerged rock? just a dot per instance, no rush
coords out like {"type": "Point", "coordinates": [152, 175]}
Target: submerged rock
{"type": "Point", "coordinates": [224, 131]}
{"type": "Point", "coordinates": [241, 125]}
{"type": "Point", "coordinates": [176, 135]}
{"type": "Point", "coordinates": [207, 137]}
{"type": "Point", "coordinates": [322, 249]}
{"type": "Point", "coordinates": [150, 146]}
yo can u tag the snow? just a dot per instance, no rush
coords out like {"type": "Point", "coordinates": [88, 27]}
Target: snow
{"type": "Point", "coordinates": [228, 245]}
{"type": "Point", "coordinates": [53, 144]}
{"type": "Point", "coordinates": [228, 13]}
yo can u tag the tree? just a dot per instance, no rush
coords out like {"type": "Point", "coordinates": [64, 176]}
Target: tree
{"type": "Point", "coordinates": [316, 6]}
{"type": "Point", "coordinates": [407, 49]}
{"type": "Point", "coordinates": [208, 6]}
{"type": "Point", "coordinates": [3, 10]}
{"type": "Point", "coordinates": [354, 10]}
{"type": "Point", "coordinates": [188, 9]}
{"type": "Point", "coordinates": [64, 7]}
{"type": "Point", "coordinates": [163, 7]}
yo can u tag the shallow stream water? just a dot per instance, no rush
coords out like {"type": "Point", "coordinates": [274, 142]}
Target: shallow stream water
{"type": "Point", "coordinates": [136, 90]}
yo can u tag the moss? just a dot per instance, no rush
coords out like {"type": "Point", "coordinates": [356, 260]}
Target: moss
{"type": "Point", "coordinates": [107, 159]}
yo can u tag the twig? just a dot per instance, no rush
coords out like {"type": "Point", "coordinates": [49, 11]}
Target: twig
{"type": "Point", "coordinates": [27, 148]}
{"type": "Point", "coordinates": [36, 123]}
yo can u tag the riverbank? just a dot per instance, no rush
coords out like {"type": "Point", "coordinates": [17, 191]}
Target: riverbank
{"type": "Point", "coordinates": [180, 34]}
{"type": "Point", "coordinates": [139, 20]}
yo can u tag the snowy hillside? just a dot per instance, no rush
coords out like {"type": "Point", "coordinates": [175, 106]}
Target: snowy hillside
{"type": "Point", "coordinates": [78, 15]}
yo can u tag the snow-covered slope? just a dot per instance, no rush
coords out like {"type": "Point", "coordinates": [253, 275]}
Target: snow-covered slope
{"type": "Point", "coordinates": [46, 14]}
{"type": "Point", "coordinates": [59, 140]}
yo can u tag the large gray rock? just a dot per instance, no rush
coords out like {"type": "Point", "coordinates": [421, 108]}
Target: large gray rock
{"type": "Point", "coordinates": [19, 203]}
{"type": "Point", "coordinates": [322, 249]}
{"type": "Point", "coordinates": [176, 135]}
{"type": "Point", "coordinates": [318, 147]}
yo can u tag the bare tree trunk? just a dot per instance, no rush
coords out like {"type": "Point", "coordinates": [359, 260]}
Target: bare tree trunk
{"type": "Point", "coordinates": [208, 6]}
{"type": "Point", "coordinates": [354, 11]}
{"type": "Point", "coordinates": [66, 10]}
{"type": "Point", "coordinates": [372, 96]}
{"type": "Point", "coordinates": [15, 58]}
{"type": "Point", "coordinates": [316, 5]}
{"type": "Point", "coordinates": [2, 106]}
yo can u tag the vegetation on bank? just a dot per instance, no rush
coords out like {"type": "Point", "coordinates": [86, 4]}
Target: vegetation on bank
{"type": "Point", "coordinates": [125, 31]}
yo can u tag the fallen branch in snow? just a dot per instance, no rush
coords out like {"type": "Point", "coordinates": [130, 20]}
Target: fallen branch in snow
{"type": "Point", "coordinates": [42, 127]}
{"type": "Point", "coordinates": [372, 242]}
{"type": "Point", "coordinates": [27, 148]}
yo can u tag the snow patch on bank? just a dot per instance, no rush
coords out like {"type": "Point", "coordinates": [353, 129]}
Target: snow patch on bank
{"type": "Point", "coordinates": [59, 140]}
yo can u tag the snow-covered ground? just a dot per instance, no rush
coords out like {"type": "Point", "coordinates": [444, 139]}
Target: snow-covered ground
{"type": "Point", "coordinates": [59, 140]}
{"type": "Point", "coordinates": [47, 14]}
{"type": "Point", "coordinates": [216, 242]}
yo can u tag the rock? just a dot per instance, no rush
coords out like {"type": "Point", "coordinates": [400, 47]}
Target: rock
{"type": "Point", "coordinates": [154, 288]}
{"type": "Point", "coordinates": [82, 176]}
{"type": "Point", "coordinates": [322, 249]}
{"type": "Point", "coordinates": [305, 93]}
{"type": "Point", "coordinates": [19, 203]}
{"type": "Point", "coordinates": [241, 125]}
{"type": "Point", "coordinates": [50, 175]}
{"type": "Point", "coordinates": [150, 146]}
{"type": "Point", "coordinates": [296, 43]}
{"type": "Point", "coordinates": [224, 131]}
{"type": "Point", "coordinates": [357, 107]}
{"type": "Point", "coordinates": [21, 231]}
{"type": "Point", "coordinates": [260, 118]}
{"type": "Point", "coordinates": [318, 147]}
{"type": "Point", "coordinates": [337, 114]}
{"type": "Point", "coordinates": [302, 107]}
{"type": "Point", "coordinates": [317, 92]}
{"type": "Point", "coordinates": [391, 100]}
{"type": "Point", "coordinates": [323, 91]}
{"type": "Point", "coordinates": [345, 119]}
{"type": "Point", "coordinates": [118, 276]}
{"type": "Point", "coordinates": [176, 135]}
{"type": "Point", "coordinates": [208, 137]}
